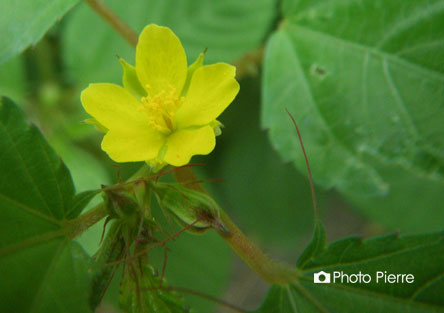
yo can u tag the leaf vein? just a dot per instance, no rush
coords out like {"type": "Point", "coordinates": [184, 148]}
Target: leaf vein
{"type": "Point", "coordinates": [26, 170]}
{"type": "Point", "coordinates": [31, 210]}
{"type": "Point", "coordinates": [398, 99]}
{"type": "Point", "coordinates": [432, 74]}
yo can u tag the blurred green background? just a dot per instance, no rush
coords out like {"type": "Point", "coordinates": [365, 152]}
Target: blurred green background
{"type": "Point", "coordinates": [268, 197]}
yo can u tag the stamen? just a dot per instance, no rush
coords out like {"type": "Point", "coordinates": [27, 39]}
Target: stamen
{"type": "Point", "coordinates": [162, 108]}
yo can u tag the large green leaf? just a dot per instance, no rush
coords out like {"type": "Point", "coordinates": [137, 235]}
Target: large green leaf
{"type": "Point", "coordinates": [365, 82]}
{"type": "Point", "coordinates": [41, 269]}
{"type": "Point", "coordinates": [87, 172]}
{"type": "Point", "coordinates": [420, 255]}
{"type": "Point", "coordinates": [414, 203]}
{"type": "Point", "coordinates": [24, 22]}
{"type": "Point", "coordinates": [227, 28]}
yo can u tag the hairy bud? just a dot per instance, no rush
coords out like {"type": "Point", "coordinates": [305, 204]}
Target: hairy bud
{"type": "Point", "coordinates": [187, 206]}
{"type": "Point", "coordinates": [119, 204]}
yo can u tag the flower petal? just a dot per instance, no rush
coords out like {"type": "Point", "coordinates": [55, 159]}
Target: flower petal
{"type": "Point", "coordinates": [113, 107]}
{"type": "Point", "coordinates": [132, 145]}
{"type": "Point", "coordinates": [160, 60]}
{"type": "Point", "coordinates": [183, 144]}
{"type": "Point", "coordinates": [212, 89]}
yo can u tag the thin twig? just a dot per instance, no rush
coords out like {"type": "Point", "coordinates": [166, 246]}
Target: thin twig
{"type": "Point", "coordinates": [114, 21]}
{"type": "Point", "coordinates": [165, 258]}
{"type": "Point", "coordinates": [313, 196]}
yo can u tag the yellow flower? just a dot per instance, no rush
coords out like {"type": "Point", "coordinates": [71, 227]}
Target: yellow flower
{"type": "Point", "coordinates": [166, 112]}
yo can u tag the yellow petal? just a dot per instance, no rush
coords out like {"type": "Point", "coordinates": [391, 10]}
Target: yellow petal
{"type": "Point", "coordinates": [113, 107]}
{"type": "Point", "coordinates": [212, 89]}
{"type": "Point", "coordinates": [132, 145]}
{"type": "Point", "coordinates": [160, 60]}
{"type": "Point", "coordinates": [183, 144]}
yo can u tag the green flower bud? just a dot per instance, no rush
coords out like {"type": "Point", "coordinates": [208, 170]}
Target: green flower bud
{"type": "Point", "coordinates": [187, 206]}
{"type": "Point", "coordinates": [119, 203]}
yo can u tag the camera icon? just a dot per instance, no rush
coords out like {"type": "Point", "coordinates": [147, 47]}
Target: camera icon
{"type": "Point", "coordinates": [321, 278]}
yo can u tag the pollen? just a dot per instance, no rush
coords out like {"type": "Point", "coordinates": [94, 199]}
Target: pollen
{"type": "Point", "coordinates": [161, 109]}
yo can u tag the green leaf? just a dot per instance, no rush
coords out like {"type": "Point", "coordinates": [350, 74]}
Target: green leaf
{"type": "Point", "coordinates": [279, 300]}
{"type": "Point", "coordinates": [80, 201]}
{"type": "Point", "coordinates": [364, 82]}
{"type": "Point", "coordinates": [227, 28]}
{"type": "Point", "coordinates": [88, 173]}
{"type": "Point", "coordinates": [316, 245]}
{"type": "Point", "coordinates": [24, 22]}
{"type": "Point", "coordinates": [414, 203]}
{"type": "Point", "coordinates": [42, 270]}
{"type": "Point", "coordinates": [419, 255]}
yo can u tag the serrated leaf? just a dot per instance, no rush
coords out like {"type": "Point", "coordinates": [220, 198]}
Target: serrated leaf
{"type": "Point", "coordinates": [227, 28]}
{"type": "Point", "coordinates": [41, 269]}
{"type": "Point", "coordinates": [24, 22]}
{"type": "Point", "coordinates": [363, 82]}
{"type": "Point", "coordinates": [279, 300]}
{"type": "Point", "coordinates": [419, 255]}
{"type": "Point", "coordinates": [88, 173]}
{"type": "Point", "coordinates": [316, 245]}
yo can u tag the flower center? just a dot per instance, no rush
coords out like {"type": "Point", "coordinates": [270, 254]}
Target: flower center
{"type": "Point", "coordinates": [161, 109]}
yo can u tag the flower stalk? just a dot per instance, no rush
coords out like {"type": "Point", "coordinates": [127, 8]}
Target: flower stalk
{"type": "Point", "coordinates": [114, 21]}
{"type": "Point", "coordinates": [269, 270]}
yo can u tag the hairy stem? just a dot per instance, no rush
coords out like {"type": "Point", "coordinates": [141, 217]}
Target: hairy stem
{"type": "Point", "coordinates": [269, 270]}
{"type": "Point", "coordinates": [78, 225]}
{"type": "Point", "coordinates": [114, 21]}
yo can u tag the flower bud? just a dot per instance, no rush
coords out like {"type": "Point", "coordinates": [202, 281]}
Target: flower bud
{"type": "Point", "coordinates": [119, 203]}
{"type": "Point", "coordinates": [187, 206]}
